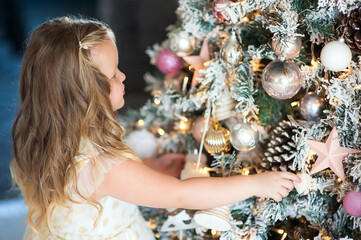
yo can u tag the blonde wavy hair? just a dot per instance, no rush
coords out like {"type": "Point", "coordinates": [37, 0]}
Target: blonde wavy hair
{"type": "Point", "coordinates": [64, 100]}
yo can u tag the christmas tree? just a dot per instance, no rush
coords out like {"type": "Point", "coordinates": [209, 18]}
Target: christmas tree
{"type": "Point", "coordinates": [250, 86]}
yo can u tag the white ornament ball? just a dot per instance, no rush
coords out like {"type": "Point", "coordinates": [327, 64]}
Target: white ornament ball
{"type": "Point", "coordinates": [336, 56]}
{"type": "Point", "coordinates": [143, 143]}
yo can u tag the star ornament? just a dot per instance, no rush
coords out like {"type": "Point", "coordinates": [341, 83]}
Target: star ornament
{"type": "Point", "coordinates": [198, 61]}
{"type": "Point", "coordinates": [330, 154]}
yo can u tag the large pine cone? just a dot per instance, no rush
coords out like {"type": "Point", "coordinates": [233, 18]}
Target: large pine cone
{"type": "Point", "coordinates": [351, 29]}
{"type": "Point", "coordinates": [280, 148]}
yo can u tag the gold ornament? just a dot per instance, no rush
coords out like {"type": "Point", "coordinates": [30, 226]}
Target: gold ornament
{"type": "Point", "coordinates": [217, 139]}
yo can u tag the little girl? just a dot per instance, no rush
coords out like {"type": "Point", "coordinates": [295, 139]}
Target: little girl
{"type": "Point", "coordinates": [79, 180]}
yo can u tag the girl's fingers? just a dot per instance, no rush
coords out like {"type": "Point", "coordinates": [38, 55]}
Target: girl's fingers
{"type": "Point", "coordinates": [277, 197]}
{"type": "Point", "coordinates": [284, 192]}
{"type": "Point", "coordinates": [291, 176]}
{"type": "Point", "coordinates": [288, 184]}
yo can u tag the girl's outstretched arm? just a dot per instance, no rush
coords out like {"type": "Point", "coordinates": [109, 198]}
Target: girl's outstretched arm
{"type": "Point", "coordinates": [136, 183]}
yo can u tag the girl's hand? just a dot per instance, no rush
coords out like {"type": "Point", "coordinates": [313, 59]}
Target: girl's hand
{"type": "Point", "coordinates": [275, 185]}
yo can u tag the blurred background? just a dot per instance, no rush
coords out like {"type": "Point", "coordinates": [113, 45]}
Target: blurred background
{"type": "Point", "coordinates": [136, 24]}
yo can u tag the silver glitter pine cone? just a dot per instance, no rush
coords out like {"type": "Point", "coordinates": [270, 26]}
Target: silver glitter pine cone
{"type": "Point", "coordinates": [350, 29]}
{"type": "Point", "coordinates": [281, 147]}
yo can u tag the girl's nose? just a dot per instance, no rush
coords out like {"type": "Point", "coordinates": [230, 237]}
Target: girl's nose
{"type": "Point", "coordinates": [122, 76]}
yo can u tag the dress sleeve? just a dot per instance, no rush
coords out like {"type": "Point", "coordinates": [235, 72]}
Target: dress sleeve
{"type": "Point", "coordinates": [90, 172]}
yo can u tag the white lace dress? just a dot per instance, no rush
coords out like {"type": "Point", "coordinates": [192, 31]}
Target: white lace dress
{"type": "Point", "coordinates": [119, 219]}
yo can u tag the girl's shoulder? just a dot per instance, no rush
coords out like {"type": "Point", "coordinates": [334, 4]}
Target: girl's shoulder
{"type": "Point", "coordinates": [90, 168]}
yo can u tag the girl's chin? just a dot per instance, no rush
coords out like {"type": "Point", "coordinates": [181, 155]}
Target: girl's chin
{"type": "Point", "coordinates": [119, 106]}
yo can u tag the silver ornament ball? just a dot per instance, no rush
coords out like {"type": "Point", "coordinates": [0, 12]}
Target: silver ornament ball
{"type": "Point", "coordinates": [181, 43]}
{"type": "Point", "coordinates": [312, 106]}
{"type": "Point", "coordinates": [281, 79]}
{"type": "Point", "coordinates": [243, 137]}
{"type": "Point", "coordinates": [232, 51]}
{"type": "Point", "coordinates": [289, 49]}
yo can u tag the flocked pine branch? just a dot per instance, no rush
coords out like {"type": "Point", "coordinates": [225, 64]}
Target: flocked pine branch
{"type": "Point", "coordinates": [197, 18]}
{"type": "Point", "coordinates": [344, 6]}
{"type": "Point", "coordinates": [288, 23]}
{"type": "Point", "coordinates": [242, 88]}
{"type": "Point", "coordinates": [153, 82]}
{"type": "Point", "coordinates": [214, 82]}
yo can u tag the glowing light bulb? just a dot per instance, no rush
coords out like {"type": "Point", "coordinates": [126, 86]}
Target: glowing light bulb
{"type": "Point", "coordinates": [213, 232]}
{"type": "Point", "coordinates": [156, 101]}
{"type": "Point", "coordinates": [185, 83]}
{"type": "Point", "coordinates": [140, 123]}
{"type": "Point", "coordinates": [280, 231]}
{"type": "Point", "coordinates": [284, 236]}
{"type": "Point", "coordinates": [294, 104]}
{"type": "Point", "coordinates": [313, 62]}
{"type": "Point", "coordinates": [206, 63]}
{"type": "Point", "coordinates": [184, 124]}
{"type": "Point", "coordinates": [161, 131]}
{"type": "Point", "coordinates": [203, 170]}
{"type": "Point", "coordinates": [245, 19]}
{"type": "Point", "coordinates": [333, 100]}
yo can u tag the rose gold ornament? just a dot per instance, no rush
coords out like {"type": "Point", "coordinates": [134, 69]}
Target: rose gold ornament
{"type": "Point", "coordinates": [198, 128]}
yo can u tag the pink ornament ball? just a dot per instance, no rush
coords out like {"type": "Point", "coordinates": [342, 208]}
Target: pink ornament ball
{"type": "Point", "coordinates": [352, 203]}
{"type": "Point", "coordinates": [168, 62]}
